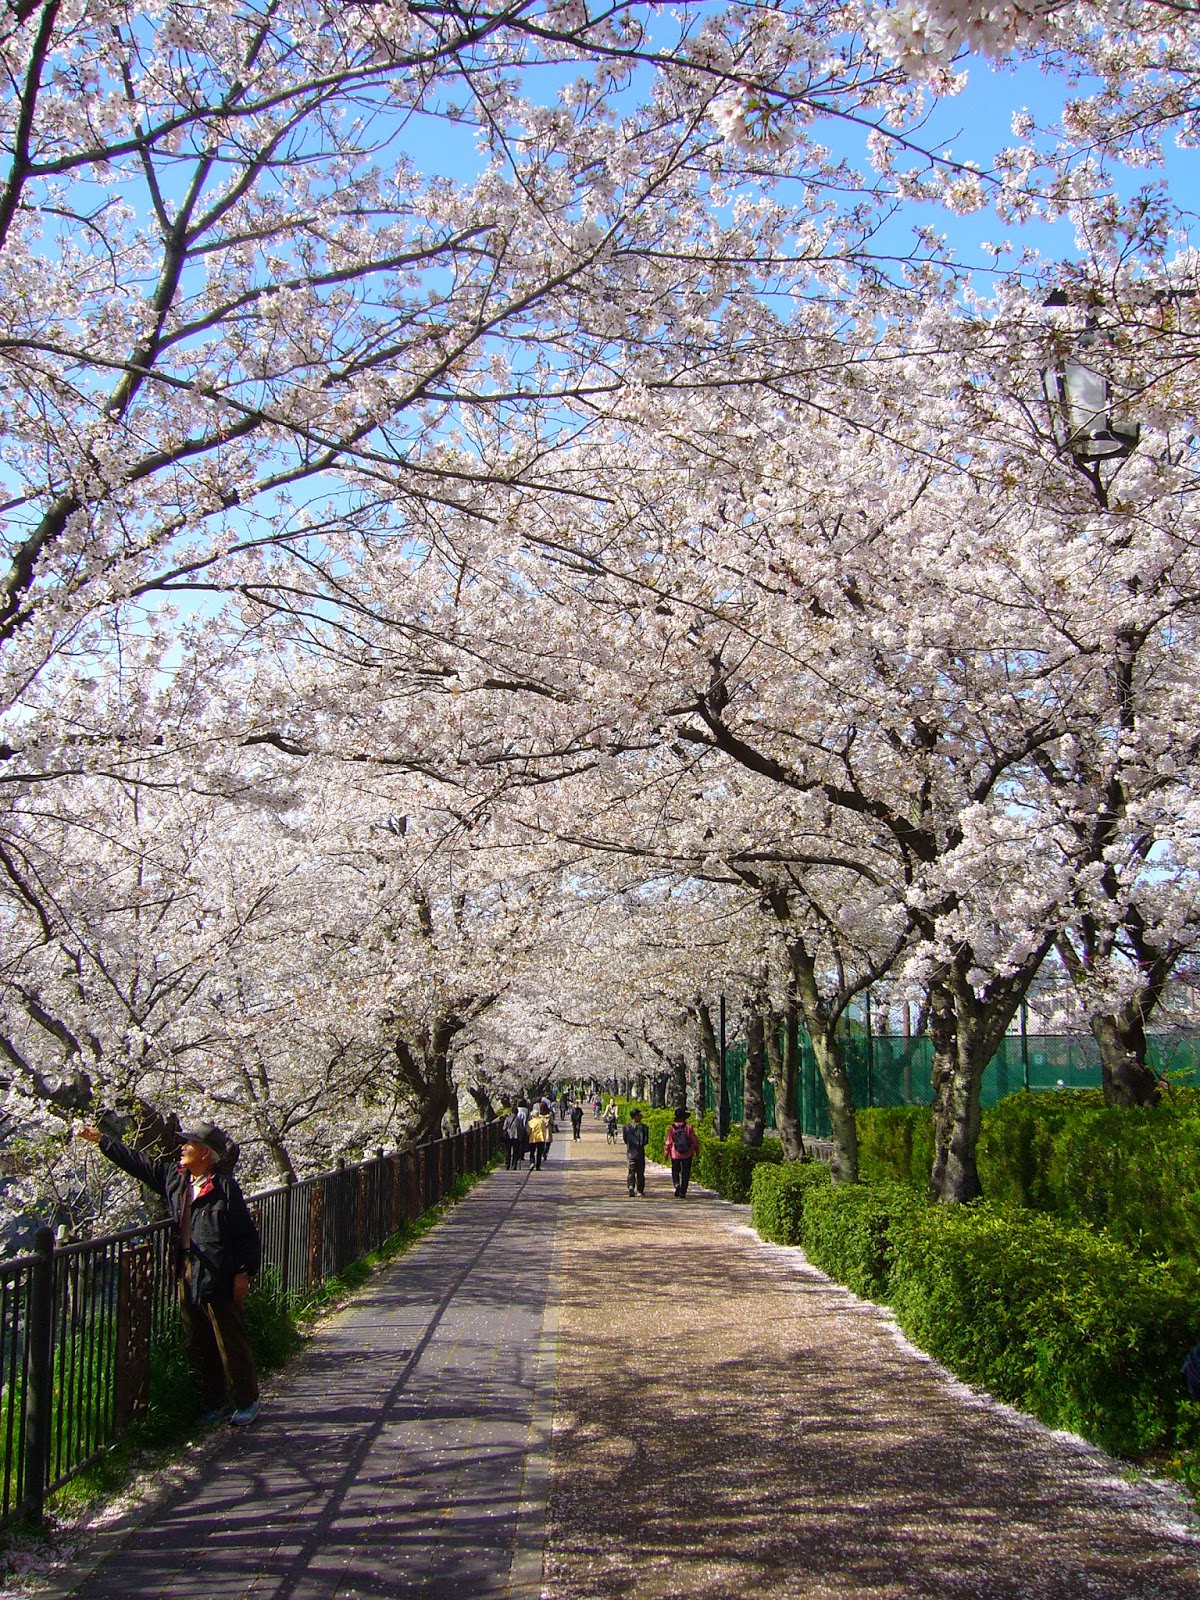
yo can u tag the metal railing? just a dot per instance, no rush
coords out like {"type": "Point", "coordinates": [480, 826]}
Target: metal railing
{"type": "Point", "coordinates": [78, 1321]}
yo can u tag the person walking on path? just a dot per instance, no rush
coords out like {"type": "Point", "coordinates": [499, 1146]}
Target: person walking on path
{"type": "Point", "coordinates": [539, 1137]}
{"type": "Point", "coordinates": [576, 1120]}
{"type": "Point", "coordinates": [513, 1130]}
{"type": "Point", "coordinates": [681, 1146]}
{"type": "Point", "coordinates": [637, 1137]}
{"type": "Point", "coordinates": [218, 1253]}
{"type": "Point", "coordinates": [523, 1115]}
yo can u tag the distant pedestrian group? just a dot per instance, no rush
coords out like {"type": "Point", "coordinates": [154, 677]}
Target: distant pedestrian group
{"type": "Point", "coordinates": [528, 1131]}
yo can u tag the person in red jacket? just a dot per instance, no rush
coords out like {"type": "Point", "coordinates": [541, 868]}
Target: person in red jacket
{"type": "Point", "coordinates": [681, 1147]}
{"type": "Point", "coordinates": [218, 1251]}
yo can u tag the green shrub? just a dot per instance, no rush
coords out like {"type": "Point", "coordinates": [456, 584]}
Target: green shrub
{"type": "Point", "coordinates": [658, 1121]}
{"type": "Point", "coordinates": [1135, 1173]}
{"type": "Point", "coordinates": [777, 1196]}
{"type": "Point", "coordinates": [1017, 1138]}
{"type": "Point", "coordinates": [270, 1324]}
{"type": "Point", "coordinates": [846, 1229]}
{"type": "Point", "coordinates": [727, 1165]}
{"type": "Point", "coordinates": [895, 1144]}
{"type": "Point", "coordinates": [1067, 1324]}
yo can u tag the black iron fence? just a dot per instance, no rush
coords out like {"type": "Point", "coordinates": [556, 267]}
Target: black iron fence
{"type": "Point", "coordinates": [78, 1322]}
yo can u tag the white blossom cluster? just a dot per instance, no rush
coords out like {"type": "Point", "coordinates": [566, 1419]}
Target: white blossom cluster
{"type": "Point", "coordinates": [924, 38]}
{"type": "Point", "coordinates": [452, 628]}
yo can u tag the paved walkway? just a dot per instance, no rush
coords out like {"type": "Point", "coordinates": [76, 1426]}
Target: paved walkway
{"type": "Point", "coordinates": [728, 1425]}
{"type": "Point", "coordinates": [405, 1453]}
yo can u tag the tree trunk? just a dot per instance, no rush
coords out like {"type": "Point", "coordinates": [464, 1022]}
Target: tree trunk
{"type": "Point", "coordinates": [831, 1064]}
{"type": "Point", "coordinates": [277, 1151]}
{"type": "Point", "coordinates": [957, 1078]}
{"type": "Point", "coordinates": [1128, 1081]}
{"type": "Point", "coordinates": [677, 1084]}
{"type": "Point", "coordinates": [754, 1115]}
{"type": "Point", "coordinates": [431, 1113]}
{"type": "Point", "coordinates": [424, 1069]}
{"type": "Point", "coordinates": [821, 1021]}
{"type": "Point", "coordinates": [783, 1063]}
{"type": "Point", "coordinates": [711, 1049]}
{"type": "Point", "coordinates": [966, 1029]}
{"type": "Point", "coordinates": [483, 1100]}
{"type": "Point", "coordinates": [658, 1090]}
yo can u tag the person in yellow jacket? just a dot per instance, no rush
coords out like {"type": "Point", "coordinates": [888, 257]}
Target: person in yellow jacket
{"type": "Point", "coordinates": [538, 1134]}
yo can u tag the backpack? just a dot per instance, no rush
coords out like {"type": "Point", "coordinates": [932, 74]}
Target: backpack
{"type": "Point", "coordinates": [681, 1141]}
{"type": "Point", "coordinates": [1191, 1372]}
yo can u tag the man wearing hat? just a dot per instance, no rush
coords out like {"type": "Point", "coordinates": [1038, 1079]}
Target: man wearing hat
{"type": "Point", "coordinates": [637, 1137]}
{"type": "Point", "coordinates": [218, 1254]}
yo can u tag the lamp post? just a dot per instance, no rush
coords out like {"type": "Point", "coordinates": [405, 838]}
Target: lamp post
{"type": "Point", "coordinates": [1080, 401]}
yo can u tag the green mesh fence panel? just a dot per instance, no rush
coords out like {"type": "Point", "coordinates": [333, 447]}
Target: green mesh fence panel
{"type": "Point", "coordinates": [897, 1072]}
{"type": "Point", "coordinates": [735, 1066]}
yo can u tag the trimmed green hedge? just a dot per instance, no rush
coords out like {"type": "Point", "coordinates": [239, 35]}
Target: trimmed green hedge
{"type": "Point", "coordinates": [728, 1165]}
{"type": "Point", "coordinates": [1066, 1324]}
{"type": "Point", "coordinates": [1134, 1174]}
{"type": "Point", "coordinates": [1017, 1137]}
{"type": "Point", "coordinates": [848, 1231]}
{"type": "Point", "coordinates": [1057, 1319]}
{"type": "Point", "coordinates": [778, 1194]}
{"type": "Point", "coordinates": [895, 1143]}
{"type": "Point", "coordinates": [845, 1229]}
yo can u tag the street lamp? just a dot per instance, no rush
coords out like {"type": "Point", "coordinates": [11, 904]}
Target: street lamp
{"type": "Point", "coordinates": [1079, 398]}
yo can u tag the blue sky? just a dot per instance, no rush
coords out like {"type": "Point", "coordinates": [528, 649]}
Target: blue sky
{"type": "Point", "coordinates": [972, 125]}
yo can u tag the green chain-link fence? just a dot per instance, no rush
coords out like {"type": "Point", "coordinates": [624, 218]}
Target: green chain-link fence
{"type": "Point", "coordinates": [897, 1072]}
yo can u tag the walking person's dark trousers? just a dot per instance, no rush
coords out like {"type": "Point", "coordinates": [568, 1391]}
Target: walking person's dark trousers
{"type": "Point", "coordinates": [637, 1172]}
{"type": "Point", "coordinates": [512, 1153]}
{"type": "Point", "coordinates": [539, 1155]}
{"type": "Point", "coordinates": [681, 1171]}
{"type": "Point", "coordinates": [219, 1351]}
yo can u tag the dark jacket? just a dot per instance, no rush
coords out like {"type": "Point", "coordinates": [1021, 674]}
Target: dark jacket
{"type": "Point", "coordinates": [636, 1136]}
{"type": "Point", "coordinates": [224, 1240]}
